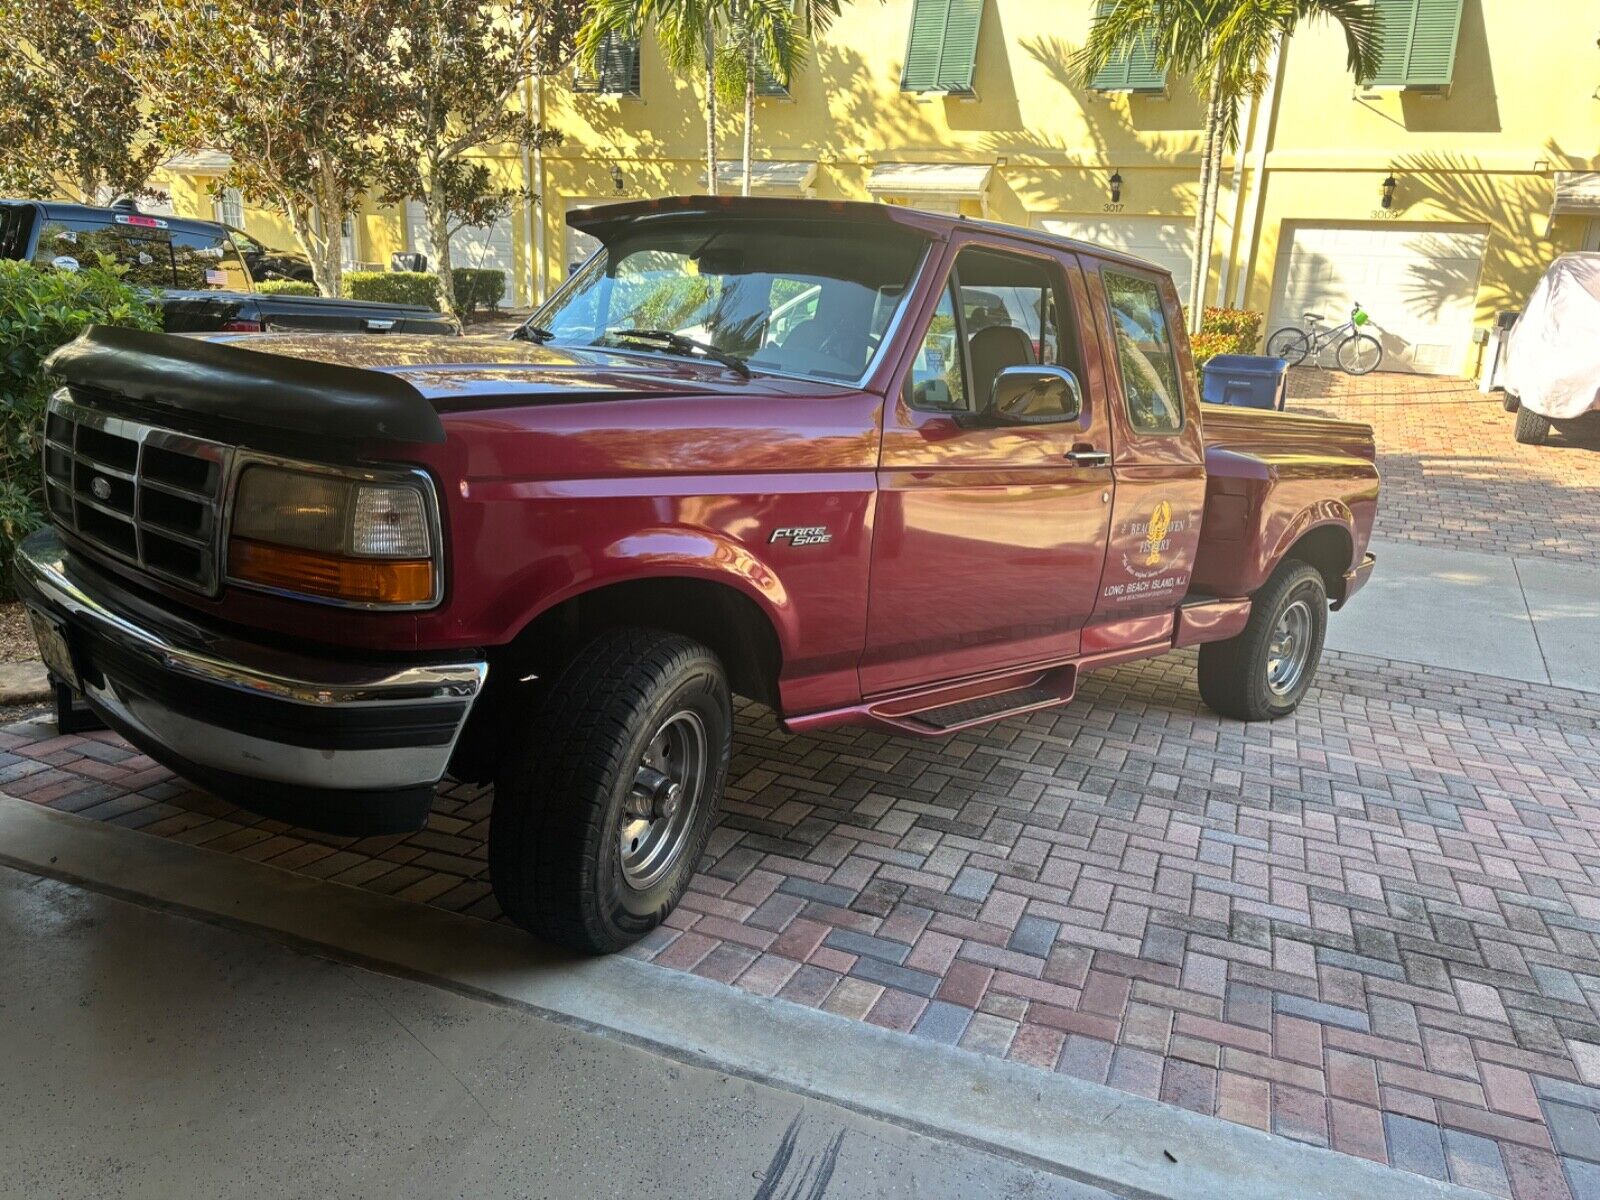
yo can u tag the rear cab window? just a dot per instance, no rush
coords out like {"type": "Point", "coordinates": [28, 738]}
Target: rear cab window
{"type": "Point", "coordinates": [207, 260]}
{"type": "Point", "coordinates": [143, 253]}
{"type": "Point", "coordinates": [1145, 355]}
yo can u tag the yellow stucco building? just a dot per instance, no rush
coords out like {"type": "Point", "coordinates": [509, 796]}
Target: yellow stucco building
{"type": "Point", "coordinates": [1484, 122]}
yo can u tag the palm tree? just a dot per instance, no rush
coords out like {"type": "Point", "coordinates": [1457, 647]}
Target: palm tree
{"type": "Point", "coordinates": [766, 37]}
{"type": "Point", "coordinates": [1226, 44]}
{"type": "Point", "coordinates": [689, 32]}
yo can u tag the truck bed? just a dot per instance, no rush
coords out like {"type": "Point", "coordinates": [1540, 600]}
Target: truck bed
{"type": "Point", "coordinates": [1273, 477]}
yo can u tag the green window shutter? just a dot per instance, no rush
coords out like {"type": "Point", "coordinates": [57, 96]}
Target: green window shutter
{"type": "Point", "coordinates": [616, 69]}
{"type": "Point", "coordinates": [944, 46]}
{"type": "Point", "coordinates": [1419, 42]}
{"type": "Point", "coordinates": [1133, 70]}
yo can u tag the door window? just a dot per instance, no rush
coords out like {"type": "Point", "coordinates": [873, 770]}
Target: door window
{"type": "Point", "coordinates": [937, 381]}
{"type": "Point", "coordinates": [1144, 352]}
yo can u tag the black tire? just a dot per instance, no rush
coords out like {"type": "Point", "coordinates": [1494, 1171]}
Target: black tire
{"type": "Point", "coordinates": [563, 794]}
{"type": "Point", "coordinates": [1360, 354]}
{"type": "Point", "coordinates": [1235, 675]}
{"type": "Point", "coordinates": [1532, 429]}
{"type": "Point", "coordinates": [1509, 401]}
{"type": "Point", "coordinates": [1290, 344]}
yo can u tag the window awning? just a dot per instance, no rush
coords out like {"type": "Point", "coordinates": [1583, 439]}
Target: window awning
{"type": "Point", "coordinates": [787, 178]}
{"type": "Point", "coordinates": [200, 162]}
{"type": "Point", "coordinates": [1577, 192]}
{"type": "Point", "coordinates": [970, 181]}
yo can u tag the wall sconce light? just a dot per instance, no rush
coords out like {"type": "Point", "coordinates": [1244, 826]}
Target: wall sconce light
{"type": "Point", "coordinates": [618, 181]}
{"type": "Point", "coordinates": [1389, 185]}
{"type": "Point", "coordinates": [1116, 187]}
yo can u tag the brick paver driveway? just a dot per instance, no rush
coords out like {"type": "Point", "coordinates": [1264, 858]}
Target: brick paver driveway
{"type": "Point", "coordinates": [1371, 926]}
{"type": "Point", "coordinates": [1453, 476]}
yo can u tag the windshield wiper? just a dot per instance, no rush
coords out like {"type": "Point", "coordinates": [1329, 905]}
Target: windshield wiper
{"type": "Point", "coordinates": [532, 333]}
{"type": "Point", "coordinates": [687, 346]}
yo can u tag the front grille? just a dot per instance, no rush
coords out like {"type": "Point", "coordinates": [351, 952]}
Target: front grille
{"type": "Point", "coordinates": [145, 495]}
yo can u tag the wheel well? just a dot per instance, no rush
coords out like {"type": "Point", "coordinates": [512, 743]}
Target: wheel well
{"type": "Point", "coordinates": [726, 621]}
{"type": "Point", "coordinates": [1329, 549]}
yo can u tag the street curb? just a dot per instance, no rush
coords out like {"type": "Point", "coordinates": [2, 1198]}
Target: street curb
{"type": "Point", "coordinates": [1135, 1147]}
{"type": "Point", "coordinates": [24, 681]}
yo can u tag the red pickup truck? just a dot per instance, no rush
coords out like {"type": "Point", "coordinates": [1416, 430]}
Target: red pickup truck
{"type": "Point", "coordinates": [858, 463]}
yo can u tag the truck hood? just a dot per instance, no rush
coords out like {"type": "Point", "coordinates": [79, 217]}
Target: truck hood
{"type": "Point", "coordinates": [468, 372]}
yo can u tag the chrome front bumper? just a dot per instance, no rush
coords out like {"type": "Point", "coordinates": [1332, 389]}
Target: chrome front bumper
{"type": "Point", "coordinates": [338, 743]}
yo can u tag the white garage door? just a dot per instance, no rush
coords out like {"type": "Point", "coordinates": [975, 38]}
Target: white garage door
{"type": "Point", "coordinates": [488, 249]}
{"type": "Point", "coordinates": [1160, 240]}
{"type": "Point", "coordinates": [1419, 283]}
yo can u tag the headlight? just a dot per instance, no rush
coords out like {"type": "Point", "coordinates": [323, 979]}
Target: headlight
{"type": "Point", "coordinates": [347, 539]}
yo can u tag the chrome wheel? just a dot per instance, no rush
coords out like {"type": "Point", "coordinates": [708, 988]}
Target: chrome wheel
{"type": "Point", "coordinates": [668, 785]}
{"type": "Point", "coordinates": [1289, 649]}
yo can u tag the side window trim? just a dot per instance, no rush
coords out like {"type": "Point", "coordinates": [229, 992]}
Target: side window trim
{"type": "Point", "coordinates": [1130, 273]}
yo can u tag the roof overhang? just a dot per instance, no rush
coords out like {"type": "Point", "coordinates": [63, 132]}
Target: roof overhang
{"type": "Point", "coordinates": [965, 181]}
{"type": "Point", "coordinates": [1577, 193]}
{"type": "Point", "coordinates": [773, 178]}
{"type": "Point", "coordinates": [200, 162]}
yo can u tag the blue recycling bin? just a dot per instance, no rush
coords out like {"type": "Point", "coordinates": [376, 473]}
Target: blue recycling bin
{"type": "Point", "coordinates": [1245, 381]}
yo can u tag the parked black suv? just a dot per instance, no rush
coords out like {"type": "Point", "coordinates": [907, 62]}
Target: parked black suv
{"type": "Point", "coordinates": [196, 268]}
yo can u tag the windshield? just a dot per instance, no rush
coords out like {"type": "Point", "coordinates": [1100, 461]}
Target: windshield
{"type": "Point", "coordinates": [809, 298]}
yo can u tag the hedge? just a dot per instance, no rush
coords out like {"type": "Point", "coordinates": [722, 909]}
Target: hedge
{"type": "Point", "coordinates": [393, 287]}
{"type": "Point", "coordinates": [40, 310]}
{"type": "Point", "coordinates": [285, 287]}
{"type": "Point", "coordinates": [477, 288]}
{"type": "Point", "coordinates": [1226, 331]}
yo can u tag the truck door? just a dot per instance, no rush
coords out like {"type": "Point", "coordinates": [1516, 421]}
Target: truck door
{"type": "Point", "coordinates": [990, 532]}
{"type": "Point", "coordinates": [1159, 456]}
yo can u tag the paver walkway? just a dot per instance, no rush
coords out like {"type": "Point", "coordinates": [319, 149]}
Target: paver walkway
{"type": "Point", "coordinates": [1370, 926]}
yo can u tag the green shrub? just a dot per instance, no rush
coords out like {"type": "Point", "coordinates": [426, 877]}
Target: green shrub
{"type": "Point", "coordinates": [1208, 343]}
{"type": "Point", "coordinates": [477, 288]}
{"type": "Point", "coordinates": [40, 310]}
{"type": "Point", "coordinates": [1241, 325]}
{"type": "Point", "coordinates": [286, 287]}
{"type": "Point", "coordinates": [393, 287]}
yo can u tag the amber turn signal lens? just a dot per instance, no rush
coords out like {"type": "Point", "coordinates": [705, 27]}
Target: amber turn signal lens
{"type": "Point", "coordinates": [359, 580]}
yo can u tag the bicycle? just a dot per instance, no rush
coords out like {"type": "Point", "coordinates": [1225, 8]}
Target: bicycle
{"type": "Point", "coordinates": [1357, 352]}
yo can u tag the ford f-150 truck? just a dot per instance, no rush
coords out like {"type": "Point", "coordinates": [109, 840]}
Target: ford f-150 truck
{"type": "Point", "coordinates": [858, 463]}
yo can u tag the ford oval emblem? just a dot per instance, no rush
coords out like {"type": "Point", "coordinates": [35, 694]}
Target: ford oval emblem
{"type": "Point", "coordinates": [101, 487]}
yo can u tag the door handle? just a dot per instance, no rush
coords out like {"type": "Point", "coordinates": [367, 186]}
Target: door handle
{"type": "Point", "coordinates": [1089, 458]}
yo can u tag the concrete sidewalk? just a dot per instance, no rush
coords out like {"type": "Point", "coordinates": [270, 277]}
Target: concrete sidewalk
{"type": "Point", "coordinates": [1522, 618]}
{"type": "Point", "coordinates": [146, 1054]}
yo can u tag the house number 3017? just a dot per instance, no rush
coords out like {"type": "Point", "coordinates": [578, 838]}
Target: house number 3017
{"type": "Point", "coordinates": [1113, 208]}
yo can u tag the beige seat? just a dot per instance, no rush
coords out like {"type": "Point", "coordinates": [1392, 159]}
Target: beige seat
{"type": "Point", "coordinates": [991, 351]}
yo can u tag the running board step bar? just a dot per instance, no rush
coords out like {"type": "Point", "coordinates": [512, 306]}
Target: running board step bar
{"type": "Point", "coordinates": [952, 707]}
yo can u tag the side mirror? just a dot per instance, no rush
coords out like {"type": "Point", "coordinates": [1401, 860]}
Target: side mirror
{"type": "Point", "coordinates": [1034, 396]}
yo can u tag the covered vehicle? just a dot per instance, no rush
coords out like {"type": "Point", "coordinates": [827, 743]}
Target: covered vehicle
{"type": "Point", "coordinates": [1553, 367]}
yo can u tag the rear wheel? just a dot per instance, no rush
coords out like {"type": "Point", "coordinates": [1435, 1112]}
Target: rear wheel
{"type": "Point", "coordinates": [602, 811]}
{"type": "Point", "coordinates": [1265, 671]}
{"type": "Point", "coordinates": [1360, 353]}
{"type": "Point", "coordinates": [1290, 344]}
{"type": "Point", "coordinates": [1532, 429]}
{"type": "Point", "coordinates": [1509, 401]}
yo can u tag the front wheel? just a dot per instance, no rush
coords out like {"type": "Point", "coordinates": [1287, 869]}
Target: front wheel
{"type": "Point", "coordinates": [1509, 401]}
{"type": "Point", "coordinates": [1360, 353]}
{"type": "Point", "coordinates": [1290, 344]}
{"type": "Point", "coordinates": [1265, 671]}
{"type": "Point", "coordinates": [602, 811]}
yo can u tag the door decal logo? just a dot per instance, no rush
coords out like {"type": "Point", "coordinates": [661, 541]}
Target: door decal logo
{"type": "Point", "coordinates": [1155, 538]}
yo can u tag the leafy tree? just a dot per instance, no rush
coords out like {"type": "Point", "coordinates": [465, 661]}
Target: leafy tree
{"type": "Point", "coordinates": [690, 32]}
{"type": "Point", "coordinates": [454, 68]}
{"type": "Point", "coordinates": [70, 122]}
{"type": "Point", "coordinates": [293, 90]}
{"type": "Point", "coordinates": [1224, 45]}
